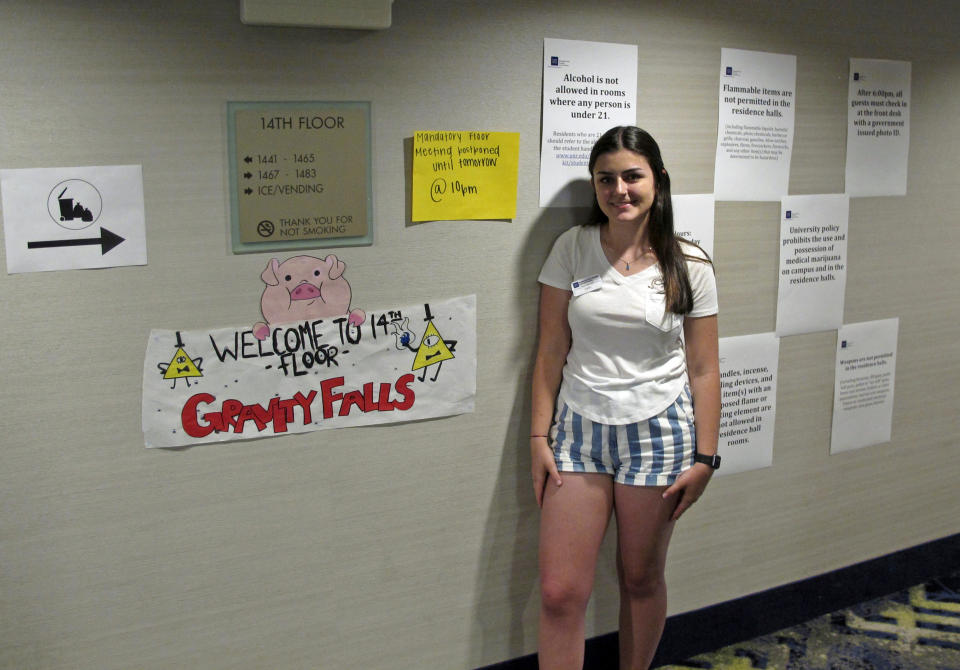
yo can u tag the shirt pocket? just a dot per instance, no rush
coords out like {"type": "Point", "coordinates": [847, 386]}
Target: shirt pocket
{"type": "Point", "coordinates": [657, 315]}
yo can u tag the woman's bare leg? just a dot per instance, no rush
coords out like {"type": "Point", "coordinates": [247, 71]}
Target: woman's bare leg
{"type": "Point", "coordinates": [573, 521]}
{"type": "Point", "coordinates": [643, 535]}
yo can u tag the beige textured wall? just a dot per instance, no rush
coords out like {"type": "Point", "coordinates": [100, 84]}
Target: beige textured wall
{"type": "Point", "coordinates": [414, 546]}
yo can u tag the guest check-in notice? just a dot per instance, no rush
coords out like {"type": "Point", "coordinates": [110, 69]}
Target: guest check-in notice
{"type": "Point", "coordinates": [300, 174]}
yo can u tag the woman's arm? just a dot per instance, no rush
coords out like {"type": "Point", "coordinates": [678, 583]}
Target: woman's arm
{"type": "Point", "coordinates": [703, 369]}
{"type": "Point", "coordinates": [553, 344]}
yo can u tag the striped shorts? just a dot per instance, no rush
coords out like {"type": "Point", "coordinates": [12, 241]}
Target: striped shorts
{"type": "Point", "coordinates": [652, 452]}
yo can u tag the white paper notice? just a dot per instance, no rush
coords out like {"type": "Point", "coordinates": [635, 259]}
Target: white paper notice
{"type": "Point", "coordinates": [588, 88]}
{"type": "Point", "coordinates": [863, 386]}
{"type": "Point", "coordinates": [813, 263]}
{"type": "Point", "coordinates": [693, 219]}
{"type": "Point", "coordinates": [878, 127]}
{"type": "Point", "coordinates": [748, 381]}
{"type": "Point", "coordinates": [755, 132]}
{"type": "Point", "coordinates": [70, 218]}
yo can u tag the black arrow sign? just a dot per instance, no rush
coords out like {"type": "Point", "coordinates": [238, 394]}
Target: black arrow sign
{"type": "Point", "coordinates": [107, 241]}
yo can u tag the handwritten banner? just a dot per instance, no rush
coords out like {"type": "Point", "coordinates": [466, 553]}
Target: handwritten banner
{"type": "Point", "coordinates": [464, 175]}
{"type": "Point", "coordinates": [400, 364]}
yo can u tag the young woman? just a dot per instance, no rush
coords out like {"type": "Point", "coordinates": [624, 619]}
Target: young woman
{"type": "Point", "coordinates": [625, 413]}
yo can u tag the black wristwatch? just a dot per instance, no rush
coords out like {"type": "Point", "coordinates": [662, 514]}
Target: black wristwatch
{"type": "Point", "coordinates": [712, 460]}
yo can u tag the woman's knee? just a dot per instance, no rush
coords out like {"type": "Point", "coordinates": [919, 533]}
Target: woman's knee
{"type": "Point", "coordinates": [562, 597]}
{"type": "Point", "coordinates": [642, 581]}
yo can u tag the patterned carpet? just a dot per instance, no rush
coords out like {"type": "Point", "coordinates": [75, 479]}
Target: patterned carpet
{"type": "Point", "coordinates": [916, 629]}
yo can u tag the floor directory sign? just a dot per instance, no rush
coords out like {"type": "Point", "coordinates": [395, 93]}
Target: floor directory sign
{"type": "Point", "coordinates": [299, 175]}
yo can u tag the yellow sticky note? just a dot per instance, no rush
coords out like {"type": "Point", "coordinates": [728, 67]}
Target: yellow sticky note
{"type": "Point", "coordinates": [464, 175]}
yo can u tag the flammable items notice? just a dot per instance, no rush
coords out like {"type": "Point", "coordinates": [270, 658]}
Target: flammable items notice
{"type": "Point", "coordinates": [302, 173]}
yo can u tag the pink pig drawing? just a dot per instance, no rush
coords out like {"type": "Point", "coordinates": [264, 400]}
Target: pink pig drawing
{"type": "Point", "coordinates": [302, 288]}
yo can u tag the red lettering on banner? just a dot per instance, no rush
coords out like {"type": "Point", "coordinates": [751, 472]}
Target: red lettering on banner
{"type": "Point", "coordinates": [328, 396]}
{"type": "Point", "coordinates": [403, 387]}
{"type": "Point", "coordinates": [188, 416]}
{"type": "Point", "coordinates": [352, 398]}
{"type": "Point", "coordinates": [278, 414]}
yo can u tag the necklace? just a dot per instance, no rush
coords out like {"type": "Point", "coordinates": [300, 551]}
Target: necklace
{"type": "Point", "coordinates": [643, 252]}
{"type": "Point", "coordinates": [621, 259]}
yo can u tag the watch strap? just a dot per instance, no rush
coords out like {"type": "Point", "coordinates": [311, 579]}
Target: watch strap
{"type": "Point", "coordinates": [713, 460]}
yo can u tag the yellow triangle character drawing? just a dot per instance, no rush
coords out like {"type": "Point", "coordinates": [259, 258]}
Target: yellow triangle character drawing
{"type": "Point", "coordinates": [181, 366]}
{"type": "Point", "coordinates": [433, 350]}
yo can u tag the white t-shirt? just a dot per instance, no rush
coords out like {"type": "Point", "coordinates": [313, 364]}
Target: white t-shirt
{"type": "Point", "coordinates": [626, 361]}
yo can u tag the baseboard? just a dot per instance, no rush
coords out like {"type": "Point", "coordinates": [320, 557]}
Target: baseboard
{"type": "Point", "coordinates": [726, 623]}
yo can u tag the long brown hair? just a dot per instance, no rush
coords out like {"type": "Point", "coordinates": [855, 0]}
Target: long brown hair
{"type": "Point", "coordinates": [663, 240]}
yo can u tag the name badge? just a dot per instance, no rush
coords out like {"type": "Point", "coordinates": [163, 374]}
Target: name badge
{"type": "Point", "coordinates": [587, 284]}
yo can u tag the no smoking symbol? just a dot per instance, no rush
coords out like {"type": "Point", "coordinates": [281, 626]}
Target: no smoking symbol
{"type": "Point", "coordinates": [265, 228]}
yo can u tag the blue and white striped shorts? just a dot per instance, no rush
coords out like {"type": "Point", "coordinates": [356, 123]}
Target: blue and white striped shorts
{"type": "Point", "coordinates": [652, 452]}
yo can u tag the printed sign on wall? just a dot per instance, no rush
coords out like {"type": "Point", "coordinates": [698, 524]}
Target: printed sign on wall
{"type": "Point", "coordinates": [878, 127]}
{"type": "Point", "coordinates": [813, 263]}
{"type": "Point", "coordinates": [748, 383]}
{"type": "Point", "coordinates": [299, 174]}
{"type": "Point", "coordinates": [693, 219]}
{"type": "Point", "coordinates": [72, 218]}
{"type": "Point", "coordinates": [864, 384]}
{"type": "Point", "coordinates": [755, 132]}
{"type": "Point", "coordinates": [588, 88]}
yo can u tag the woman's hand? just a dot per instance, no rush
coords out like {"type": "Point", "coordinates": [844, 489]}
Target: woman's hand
{"type": "Point", "coordinates": [542, 467]}
{"type": "Point", "coordinates": [688, 487]}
